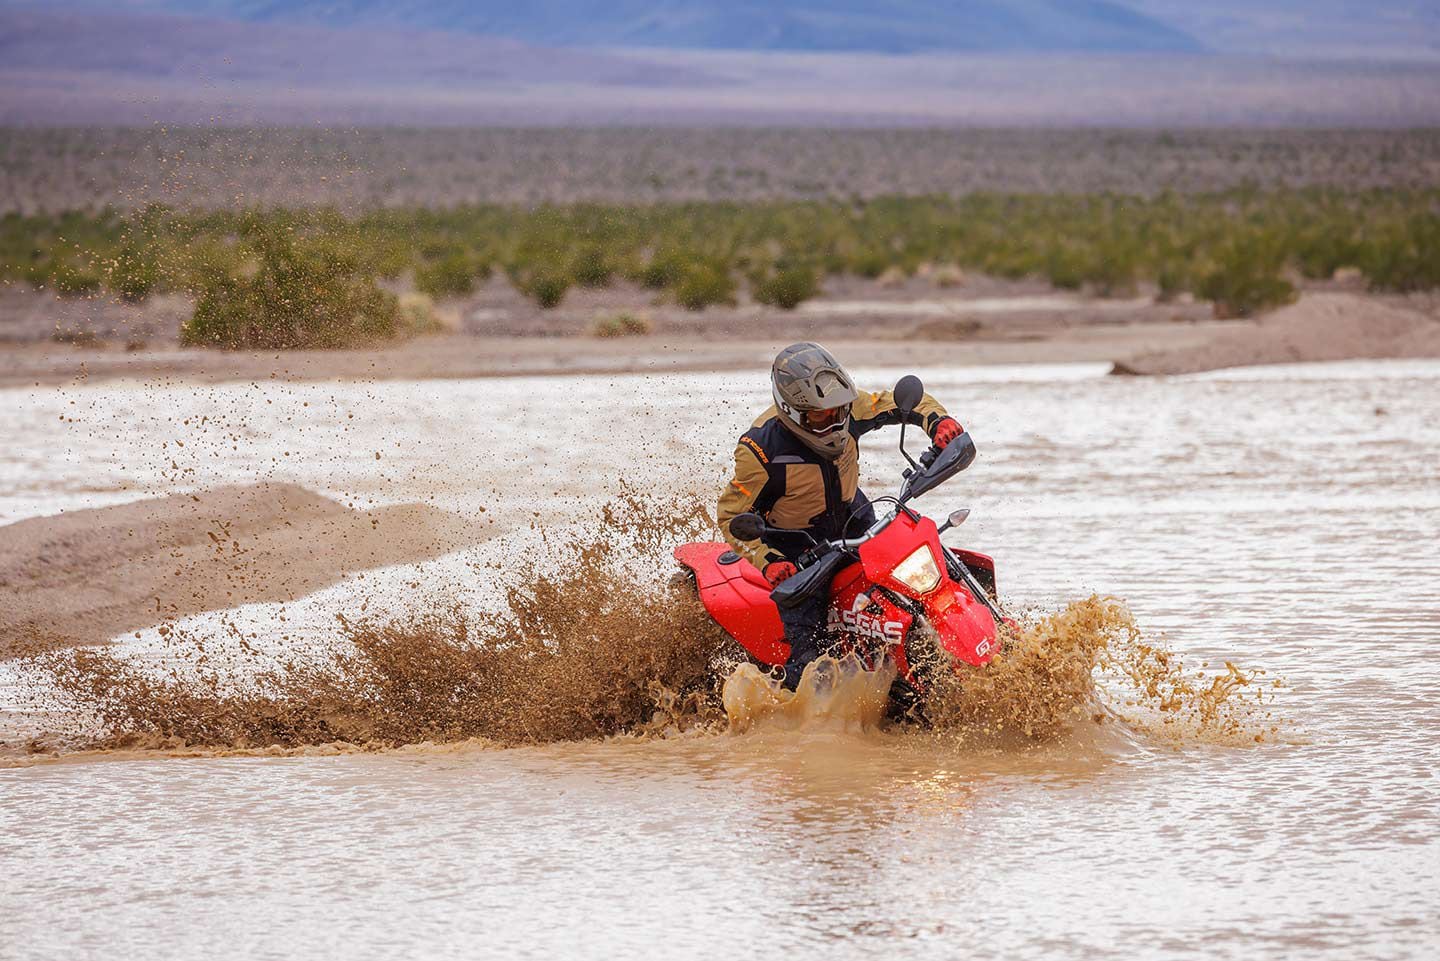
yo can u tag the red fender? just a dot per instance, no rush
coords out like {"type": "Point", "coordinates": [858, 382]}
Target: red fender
{"type": "Point", "coordinates": [965, 625]}
{"type": "Point", "coordinates": [738, 597]}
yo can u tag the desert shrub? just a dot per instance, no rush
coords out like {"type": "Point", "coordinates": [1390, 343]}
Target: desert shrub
{"type": "Point", "coordinates": [705, 284]}
{"type": "Point", "coordinates": [948, 275]}
{"type": "Point", "coordinates": [36, 273]}
{"type": "Point", "coordinates": [1104, 243]}
{"type": "Point", "coordinates": [1406, 259]}
{"type": "Point", "coordinates": [545, 285]}
{"type": "Point", "coordinates": [416, 316]}
{"type": "Point", "coordinates": [591, 268]}
{"type": "Point", "coordinates": [134, 274]}
{"type": "Point", "coordinates": [71, 281]}
{"type": "Point", "coordinates": [453, 275]}
{"type": "Point", "coordinates": [1173, 279]}
{"type": "Point", "coordinates": [786, 287]}
{"type": "Point", "coordinates": [1320, 253]}
{"type": "Point", "coordinates": [76, 337]}
{"type": "Point", "coordinates": [1113, 271]}
{"type": "Point", "coordinates": [893, 277]}
{"type": "Point", "coordinates": [663, 270]}
{"type": "Point", "coordinates": [1066, 268]}
{"type": "Point", "coordinates": [1245, 280]}
{"type": "Point", "coordinates": [621, 325]}
{"type": "Point", "coordinates": [870, 263]}
{"type": "Point", "coordinates": [297, 297]}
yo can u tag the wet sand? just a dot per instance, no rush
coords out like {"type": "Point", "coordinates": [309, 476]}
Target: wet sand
{"type": "Point", "coordinates": [1320, 327]}
{"type": "Point", "coordinates": [84, 576]}
{"type": "Point", "coordinates": [47, 341]}
{"type": "Point", "coordinates": [461, 356]}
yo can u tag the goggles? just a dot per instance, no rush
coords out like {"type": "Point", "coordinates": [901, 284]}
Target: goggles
{"type": "Point", "coordinates": [827, 421]}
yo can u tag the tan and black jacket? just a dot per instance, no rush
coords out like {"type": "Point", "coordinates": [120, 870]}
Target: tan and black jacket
{"type": "Point", "coordinates": [780, 477]}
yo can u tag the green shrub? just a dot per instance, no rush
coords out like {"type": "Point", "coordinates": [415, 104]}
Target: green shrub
{"type": "Point", "coordinates": [869, 263]}
{"type": "Point", "coordinates": [36, 274]}
{"type": "Point", "coordinates": [1406, 259]}
{"type": "Point", "coordinates": [705, 285]}
{"type": "Point", "coordinates": [1246, 280]}
{"type": "Point", "coordinates": [621, 325]}
{"type": "Point", "coordinates": [296, 298]}
{"type": "Point", "coordinates": [1320, 254]}
{"type": "Point", "coordinates": [693, 251]}
{"type": "Point", "coordinates": [1066, 268]}
{"type": "Point", "coordinates": [1173, 279]}
{"type": "Point", "coordinates": [546, 286]}
{"type": "Point", "coordinates": [1113, 271]}
{"type": "Point", "coordinates": [453, 275]}
{"type": "Point", "coordinates": [663, 270]}
{"type": "Point", "coordinates": [134, 274]}
{"type": "Point", "coordinates": [787, 287]}
{"type": "Point", "coordinates": [70, 281]}
{"type": "Point", "coordinates": [591, 268]}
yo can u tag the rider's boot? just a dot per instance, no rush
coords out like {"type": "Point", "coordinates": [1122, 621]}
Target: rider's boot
{"type": "Point", "coordinates": [803, 627]}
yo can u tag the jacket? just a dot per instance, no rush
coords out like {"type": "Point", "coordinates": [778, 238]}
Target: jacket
{"type": "Point", "coordinates": [780, 477]}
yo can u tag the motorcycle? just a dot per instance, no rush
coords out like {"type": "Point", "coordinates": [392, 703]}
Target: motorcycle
{"type": "Point", "coordinates": [895, 591]}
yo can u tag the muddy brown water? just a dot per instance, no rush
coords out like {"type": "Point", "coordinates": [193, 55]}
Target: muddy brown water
{"type": "Point", "coordinates": [1283, 518]}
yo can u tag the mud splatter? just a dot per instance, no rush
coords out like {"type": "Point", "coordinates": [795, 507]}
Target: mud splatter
{"type": "Point", "coordinates": [1090, 662]}
{"type": "Point", "coordinates": [1086, 663]}
{"type": "Point", "coordinates": [589, 644]}
{"type": "Point", "coordinates": [839, 693]}
{"type": "Point", "coordinates": [583, 648]}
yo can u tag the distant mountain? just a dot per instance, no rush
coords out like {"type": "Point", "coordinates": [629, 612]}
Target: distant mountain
{"type": "Point", "coordinates": [116, 64]}
{"type": "Point", "coordinates": [1316, 29]}
{"type": "Point", "coordinates": [879, 26]}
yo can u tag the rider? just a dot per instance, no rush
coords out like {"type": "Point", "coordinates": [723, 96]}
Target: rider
{"type": "Point", "coordinates": [798, 467]}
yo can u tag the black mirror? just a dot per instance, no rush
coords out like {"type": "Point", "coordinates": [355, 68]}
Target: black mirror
{"type": "Point", "coordinates": [908, 393]}
{"type": "Point", "coordinates": [955, 519]}
{"type": "Point", "coordinates": [747, 527]}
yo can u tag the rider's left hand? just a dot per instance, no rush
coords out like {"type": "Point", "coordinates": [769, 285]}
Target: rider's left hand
{"type": "Point", "coordinates": [946, 430]}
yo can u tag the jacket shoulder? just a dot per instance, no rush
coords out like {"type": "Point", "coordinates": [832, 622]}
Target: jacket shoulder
{"type": "Point", "coordinates": [768, 438]}
{"type": "Point", "coordinates": [770, 413]}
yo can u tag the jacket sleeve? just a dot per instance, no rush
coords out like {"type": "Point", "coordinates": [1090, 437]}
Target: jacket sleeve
{"type": "Point", "coordinates": [739, 496]}
{"type": "Point", "coordinates": [872, 410]}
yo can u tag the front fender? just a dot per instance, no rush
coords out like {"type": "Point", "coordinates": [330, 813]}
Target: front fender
{"type": "Point", "coordinates": [965, 626]}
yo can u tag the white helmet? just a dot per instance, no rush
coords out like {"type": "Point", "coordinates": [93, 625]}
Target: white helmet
{"type": "Point", "coordinates": [807, 377]}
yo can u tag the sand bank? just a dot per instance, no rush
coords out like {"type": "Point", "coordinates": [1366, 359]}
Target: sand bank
{"type": "Point", "coordinates": [1320, 326]}
{"type": "Point", "coordinates": [86, 576]}
{"type": "Point", "coordinates": [468, 356]}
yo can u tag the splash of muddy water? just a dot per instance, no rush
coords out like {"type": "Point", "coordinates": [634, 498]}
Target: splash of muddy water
{"type": "Point", "coordinates": [583, 650]}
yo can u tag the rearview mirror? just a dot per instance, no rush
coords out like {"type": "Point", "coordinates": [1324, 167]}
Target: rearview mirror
{"type": "Point", "coordinates": [747, 526]}
{"type": "Point", "coordinates": [908, 393]}
{"type": "Point", "coordinates": [955, 519]}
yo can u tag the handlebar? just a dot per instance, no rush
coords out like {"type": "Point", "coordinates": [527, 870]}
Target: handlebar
{"type": "Point", "coordinates": [820, 548]}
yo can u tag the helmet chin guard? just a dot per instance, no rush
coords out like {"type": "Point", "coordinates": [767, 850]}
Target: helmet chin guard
{"type": "Point", "coordinates": [807, 377]}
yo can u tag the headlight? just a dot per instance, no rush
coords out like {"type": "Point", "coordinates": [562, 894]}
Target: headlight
{"type": "Point", "coordinates": [918, 571]}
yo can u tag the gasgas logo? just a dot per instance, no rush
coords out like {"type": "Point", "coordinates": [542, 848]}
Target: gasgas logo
{"type": "Point", "coordinates": [872, 626]}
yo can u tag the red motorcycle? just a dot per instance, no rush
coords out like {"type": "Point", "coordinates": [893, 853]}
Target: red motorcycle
{"type": "Point", "coordinates": [895, 590]}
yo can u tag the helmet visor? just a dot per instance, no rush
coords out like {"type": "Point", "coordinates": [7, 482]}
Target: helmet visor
{"type": "Point", "coordinates": [826, 421]}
